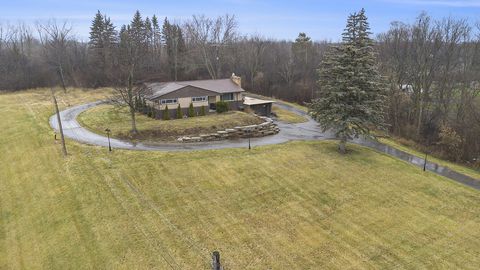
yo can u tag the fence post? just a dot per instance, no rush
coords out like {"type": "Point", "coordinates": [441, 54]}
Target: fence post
{"type": "Point", "coordinates": [216, 261]}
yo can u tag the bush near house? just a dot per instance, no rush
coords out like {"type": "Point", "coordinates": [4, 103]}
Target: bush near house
{"type": "Point", "coordinates": [179, 112]}
{"type": "Point", "coordinates": [202, 111]}
{"type": "Point", "coordinates": [222, 107]}
{"type": "Point", "coordinates": [166, 115]}
{"type": "Point", "coordinates": [191, 110]}
{"type": "Point", "coordinates": [150, 112]}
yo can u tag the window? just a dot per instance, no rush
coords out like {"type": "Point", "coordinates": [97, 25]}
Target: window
{"type": "Point", "coordinates": [199, 99]}
{"type": "Point", "coordinates": [226, 97]}
{"type": "Point", "coordinates": [168, 101]}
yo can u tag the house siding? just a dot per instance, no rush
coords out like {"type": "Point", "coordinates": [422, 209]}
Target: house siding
{"type": "Point", "coordinates": [184, 98]}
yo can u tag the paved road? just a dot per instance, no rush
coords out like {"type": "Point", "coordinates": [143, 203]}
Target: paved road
{"type": "Point", "coordinates": [288, 132]}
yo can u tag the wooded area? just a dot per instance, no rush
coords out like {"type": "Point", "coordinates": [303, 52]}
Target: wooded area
{"type": "Point", "coordinates": [431, 67]}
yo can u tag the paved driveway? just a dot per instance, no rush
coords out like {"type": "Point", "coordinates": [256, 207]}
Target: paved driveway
{"type": "Point", "coordinates": [72, 129]}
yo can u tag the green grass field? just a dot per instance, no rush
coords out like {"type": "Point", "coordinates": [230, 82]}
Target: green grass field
{"type": "Point", "coordinates": [299, 205]}
{"type": "Point", "coordinates": [118, 120]}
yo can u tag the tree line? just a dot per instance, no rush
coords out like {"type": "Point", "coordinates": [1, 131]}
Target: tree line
{"type": "Point", "coordinates": [157, 49]}
{"type": "Point", "coordinates": [430, 68]}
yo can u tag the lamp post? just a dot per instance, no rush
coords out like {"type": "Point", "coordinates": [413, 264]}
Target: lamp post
{"type": "Point", "coordinates": [249, 145]}
{"type": "Point", "coordinates": [108, 136]}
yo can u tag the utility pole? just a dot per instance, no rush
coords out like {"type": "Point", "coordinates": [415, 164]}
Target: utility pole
{"type": "Point", "coordinates": [216, 265]}
{"type": "Point", "coordinates": [59, 120]}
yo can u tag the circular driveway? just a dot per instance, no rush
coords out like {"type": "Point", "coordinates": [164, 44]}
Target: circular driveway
{"type": "Point", "coordinates": [288, 132]}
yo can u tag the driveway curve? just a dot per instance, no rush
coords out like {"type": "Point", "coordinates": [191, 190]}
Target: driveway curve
{"type": "Point", "coordinates": [73, 130]}
{"type": "Point", "coordinates": [288, 132]}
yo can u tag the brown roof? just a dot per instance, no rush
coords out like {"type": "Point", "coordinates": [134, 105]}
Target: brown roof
{"type": "Point", "coordinates": [220, 86]}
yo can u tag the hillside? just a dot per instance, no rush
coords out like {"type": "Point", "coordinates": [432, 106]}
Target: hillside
{"type": "Point", "coordinates": [295, 205]}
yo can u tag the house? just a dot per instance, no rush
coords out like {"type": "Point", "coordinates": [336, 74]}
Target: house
{"type": "Point", "coordinates": [200, 93]}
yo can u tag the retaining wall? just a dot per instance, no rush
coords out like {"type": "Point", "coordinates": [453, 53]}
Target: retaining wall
{"type": "Point", "coordinates": [264, 129]}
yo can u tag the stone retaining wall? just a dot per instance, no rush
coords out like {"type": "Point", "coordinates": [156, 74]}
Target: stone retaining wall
{"type": "Point", "coordinates": [264, 129]}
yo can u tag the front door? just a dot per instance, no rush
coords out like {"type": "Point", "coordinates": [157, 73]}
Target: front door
{"type": "Point", "coordinates": [212, 101]}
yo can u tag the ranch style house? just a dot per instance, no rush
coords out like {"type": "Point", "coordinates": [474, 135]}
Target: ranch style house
{"type": "Point", "coordinates": [200, 93]}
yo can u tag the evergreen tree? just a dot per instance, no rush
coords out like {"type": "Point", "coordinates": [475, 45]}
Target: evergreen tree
{"type": "Point", "coordinates": [148, 30]}
{"type": "Point", "coordinates": [109, 35]}
{"type": "Point", "coordinates": [137, 29]}
{"type": "Point", "coordinates": [96, 31]}
{"type": "Point", "coordinates": [101, 48]}
{"type": "Point", "coordinates": [304, 55]}
{"type": "Point", "coordinates": [179, 112]}
{"type": "Point", "coordinates": [166, 113]}
{"type": "Point", "coordinates": [352, 95]}
{"type": "Point", "coordinates": [175, 47]}
{"type": "Point", "coordinates": [156, 38]}
{"type": "Point", "coordinates": [202, 111]}
{"type": "Point", "coordinates": [191, 110]}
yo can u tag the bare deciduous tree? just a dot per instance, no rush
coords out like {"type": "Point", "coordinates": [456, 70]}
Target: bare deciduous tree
{"type": "Point", "coordinates": [211, 38]}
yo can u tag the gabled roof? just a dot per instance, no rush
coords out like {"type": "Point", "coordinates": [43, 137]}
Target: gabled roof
{"type": "Point", "coordinates": [221, 86]}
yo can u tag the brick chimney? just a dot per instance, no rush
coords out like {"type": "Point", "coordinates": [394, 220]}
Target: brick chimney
{"type": "Point", "coordinates": [237, 80]}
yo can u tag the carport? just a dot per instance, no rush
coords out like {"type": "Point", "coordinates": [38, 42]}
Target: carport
{"type": "Point", "coordinates": [259, 106]}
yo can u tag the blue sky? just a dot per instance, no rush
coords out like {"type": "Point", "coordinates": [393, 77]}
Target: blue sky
{"type": "Point", "coordinates": [320, 19]}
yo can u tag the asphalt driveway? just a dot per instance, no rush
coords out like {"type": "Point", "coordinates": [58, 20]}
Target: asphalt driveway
{"type": "Point", "coordinates": [73, 130]}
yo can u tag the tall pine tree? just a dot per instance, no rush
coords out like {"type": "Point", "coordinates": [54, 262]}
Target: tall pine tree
{"type": "Point", "coordinates": [175, 47]}
{"type": "Point", "coordinates": [102, 43]}
{"type": "Point", "coordinates": [352, 96]}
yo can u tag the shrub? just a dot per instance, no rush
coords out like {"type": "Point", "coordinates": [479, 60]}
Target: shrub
{"type": "Point", "coordinates": [450, 142]}
{"type": "Point", "coordinates": [166, 114]}
{"type": "Point", "coordinates": [179, 112]}
{"type": "Point", "coordinates": [153, 112]}
{"type": "Point", "coordinates": [202, 111]}
{"type": "Point", "coordinates": [222, 106]}
{"type": "Point", "coordinates": [148, 111]}
{"type": "Point", "coordinates": [191, 110]}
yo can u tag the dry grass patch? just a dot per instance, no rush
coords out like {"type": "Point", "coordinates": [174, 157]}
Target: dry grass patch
{"type": "Point", "coordinates": [288, 116]}
{"type": "Point", "coordinates": [292, 206]}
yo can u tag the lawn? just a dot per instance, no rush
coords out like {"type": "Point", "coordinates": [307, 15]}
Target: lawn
{"type": "Point", "coordinates": [288, 116]}
{"type": "Point", "coordinates": [118, 120]}
{"type": "Point", "coordinates": [299, 205]}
